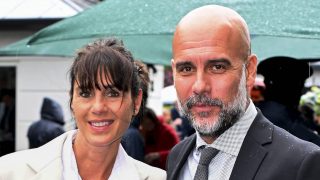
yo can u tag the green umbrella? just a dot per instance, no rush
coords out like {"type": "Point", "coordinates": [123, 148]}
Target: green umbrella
{"type": "Point", "coordinates": [286, 28]}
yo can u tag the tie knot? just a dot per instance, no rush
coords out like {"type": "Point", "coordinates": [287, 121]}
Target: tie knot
{"type": "Point", "coordinates": [207, 154]}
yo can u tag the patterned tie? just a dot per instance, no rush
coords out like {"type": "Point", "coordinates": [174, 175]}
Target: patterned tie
{"type": "Point", "coordinates": [207, 154]}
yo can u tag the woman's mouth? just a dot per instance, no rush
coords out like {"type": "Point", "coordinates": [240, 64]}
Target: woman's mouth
{"type": "Point", "coordinates": [102, 125]}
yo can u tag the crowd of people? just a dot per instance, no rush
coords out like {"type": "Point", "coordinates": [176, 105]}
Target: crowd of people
{"type": "Point", "coordinates": [224, 124]}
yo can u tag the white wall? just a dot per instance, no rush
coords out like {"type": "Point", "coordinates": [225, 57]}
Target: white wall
{"type": "Point", "coordinates": [37, 77]}
{"type": "Point", "coordinates": [154, 100]}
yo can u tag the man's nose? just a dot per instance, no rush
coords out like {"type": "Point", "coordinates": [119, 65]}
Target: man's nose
{"type": "Point", "coordinates": [201, 85]}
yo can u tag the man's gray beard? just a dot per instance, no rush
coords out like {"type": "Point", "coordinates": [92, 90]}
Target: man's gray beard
{"type": "Point", "coordinates": [230, 113]}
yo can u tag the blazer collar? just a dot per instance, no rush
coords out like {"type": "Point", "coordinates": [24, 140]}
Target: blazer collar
{"type": "Point", "coordinates": [183, 155]}
{"type": "Point", "coordinates": [252, 151]}
{"type": "Point", "coordinates": [46, 160]}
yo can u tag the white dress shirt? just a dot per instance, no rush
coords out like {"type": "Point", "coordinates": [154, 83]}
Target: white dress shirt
{"type": "Point", "coordinates": [228, 144]}
{"type": "Point", "coordinates": [122, 169]}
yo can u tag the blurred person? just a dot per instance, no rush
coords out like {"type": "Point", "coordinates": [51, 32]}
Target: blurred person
{"type": "Point", "coordinates": [282, 95]}
{"type": "Point", "coordinates": [256, 92]}
{"type": "Point", "coordinates": [309, 107]}
{"type": "Point", "coordinates": [181, 123]}
{"type": "Point", "coordinates": [132, 141]}
{"type": "Point", "coordinates": [49, 126]}
{"type": "Point", "coordinates": [105, 94]}
{"type": "Point", "coordinates": [159, 138]}
{"type": "Point", "coordinates": [214, 70]}
{"type": "Point", "coordinates": [7, 122]}
{"type": "Point", "coordinates": [166, 115]}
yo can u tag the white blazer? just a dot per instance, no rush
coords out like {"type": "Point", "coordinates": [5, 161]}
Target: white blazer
{"type": "Point", "coordinates": [45, 163]}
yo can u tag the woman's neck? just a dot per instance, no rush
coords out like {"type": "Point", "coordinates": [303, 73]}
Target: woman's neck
{"type": "Point", "coordinates": [95, 162]}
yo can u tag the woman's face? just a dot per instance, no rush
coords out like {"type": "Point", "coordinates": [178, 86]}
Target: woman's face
{"type": "Point", "coordinates": [104, 115]}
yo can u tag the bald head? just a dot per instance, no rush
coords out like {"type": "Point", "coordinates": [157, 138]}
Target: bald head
{"type": "Point", "coordinates": [212, 25]}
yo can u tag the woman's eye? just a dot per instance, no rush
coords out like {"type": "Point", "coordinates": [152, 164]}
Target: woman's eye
{"type": "Point", "coordinates": [85, 94]}
{"type": "Point", "coordinates": [112, 93]}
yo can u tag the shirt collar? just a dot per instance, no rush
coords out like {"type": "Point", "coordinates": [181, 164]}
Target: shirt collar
{"type": "Point", "coordinates": [122, 163]}
{"type": "Point", "coordinates": [231, 140]}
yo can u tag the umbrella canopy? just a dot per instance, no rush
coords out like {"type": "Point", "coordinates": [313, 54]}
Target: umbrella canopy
{"type": "Point", "coordinates": [286, 28]}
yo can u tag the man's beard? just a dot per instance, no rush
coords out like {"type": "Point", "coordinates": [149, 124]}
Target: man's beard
{"type": "Point", "coordinates": [230, 112]}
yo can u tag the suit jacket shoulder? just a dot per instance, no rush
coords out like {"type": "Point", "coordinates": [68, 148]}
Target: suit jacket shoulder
{"type": "Point", "coordinates": [269, 152]}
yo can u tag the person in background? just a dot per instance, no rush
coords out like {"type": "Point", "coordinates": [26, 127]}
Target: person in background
{"type": "Point", "coordinates": [159, 138]}
{"type": "Point", "coordinates": [282, 97]}
{"type": "Point", "coordinates": [132, 141]}
{"type": "Point", "coordinates": [214, 70]}
{"type": "Point", "coordinates": [256, 93]}
{"type": "Point", "coordinates": [181, 123]}
{"type": "Point", "coordinates": [309, 107]}
{"type": "Point", "coordinates": [7, 121]}
{"type": "Point", "coordinates": [49, 126]}
{"type": "Point", "coordinates": [105, 95]}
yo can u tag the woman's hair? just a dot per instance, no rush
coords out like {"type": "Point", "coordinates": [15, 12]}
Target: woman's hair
{"type": "Point", "coordinates": [144, 84]}
{"type": "Point", "coordinates": [105, 59]}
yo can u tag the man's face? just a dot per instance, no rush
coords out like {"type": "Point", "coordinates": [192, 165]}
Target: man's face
{"type": "Point", "coordinates": [210, 78]}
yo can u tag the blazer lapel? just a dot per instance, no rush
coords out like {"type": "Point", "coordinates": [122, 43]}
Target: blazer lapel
{"type": "Point", "coordinates": [183, 155]}
{"type": "Point", "coordinates": [46, 160]}
{"type": "Point", "coordinates": [252, 151]}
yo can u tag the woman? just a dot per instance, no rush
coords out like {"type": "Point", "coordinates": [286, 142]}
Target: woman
{"type": "Point", "coordinates": [104, 96]}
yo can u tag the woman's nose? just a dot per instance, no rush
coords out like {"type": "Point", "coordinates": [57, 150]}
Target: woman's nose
{"type": "Point", "coordinates": [99, 106]}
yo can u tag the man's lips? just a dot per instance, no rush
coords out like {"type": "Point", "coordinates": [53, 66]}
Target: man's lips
{"type": "Point", "coordinates": [201, 107]}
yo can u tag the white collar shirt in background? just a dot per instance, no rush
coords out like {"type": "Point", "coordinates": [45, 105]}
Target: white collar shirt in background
{"type": "Point", "coordinates": [228, 144]}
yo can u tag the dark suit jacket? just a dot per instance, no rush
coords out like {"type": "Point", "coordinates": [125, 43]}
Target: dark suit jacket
{"type": "Point", "coordinates": [267, 153]}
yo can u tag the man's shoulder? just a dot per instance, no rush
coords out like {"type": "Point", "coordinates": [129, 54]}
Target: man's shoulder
{"type": "Point", "coordinates": [282, 138]}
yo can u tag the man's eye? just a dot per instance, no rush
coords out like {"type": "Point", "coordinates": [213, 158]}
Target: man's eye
{"type": "Point", "coordinates": [217, 68]}
{"type": "Point", "coordinates": [185, 69]}
{"type": "Point", "coordinates": [85, 94]}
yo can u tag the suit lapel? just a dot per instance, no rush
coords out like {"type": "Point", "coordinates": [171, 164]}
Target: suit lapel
{"type": "Point", "coordinates": [183, 155]}
{"type": "Point", "coordinates": [46, 160]}
{"type": "Point", "coordinates": [252, 151]}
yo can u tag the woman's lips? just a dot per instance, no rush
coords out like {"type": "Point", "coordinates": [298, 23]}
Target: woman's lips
{"type": "Point", "coordinates": [100, 125]}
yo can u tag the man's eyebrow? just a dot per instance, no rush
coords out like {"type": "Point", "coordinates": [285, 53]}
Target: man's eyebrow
{"type": "Point", "coordinates": [184, 63]}
{"type": "Point", "coordinates": [221, 60]}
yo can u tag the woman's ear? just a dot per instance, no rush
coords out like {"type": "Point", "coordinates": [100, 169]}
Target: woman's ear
{"type": "Point", "coordinates": [138, 102]}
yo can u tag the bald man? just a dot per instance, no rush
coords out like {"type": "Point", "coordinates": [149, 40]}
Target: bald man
{"type": "Point", "coordinates": [213, 71]}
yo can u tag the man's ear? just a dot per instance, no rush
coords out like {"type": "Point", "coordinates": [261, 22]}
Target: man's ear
{"type": "Point", "coordinates": [138, 102]}
{"type": "Point", "coordinates": [173, 71]}
{"type": "Point", "coordinates": [251, 70]}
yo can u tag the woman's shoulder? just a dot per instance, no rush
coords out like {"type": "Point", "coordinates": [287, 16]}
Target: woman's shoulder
{"type": "Point", "coordinates": [149, 172]}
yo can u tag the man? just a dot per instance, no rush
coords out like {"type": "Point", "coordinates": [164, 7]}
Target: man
{"type": "Point", "coordinates": [213, 71]}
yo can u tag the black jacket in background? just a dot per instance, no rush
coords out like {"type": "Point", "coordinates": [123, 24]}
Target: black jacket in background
{"type": "Point", "coordinates": [49, 126]}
